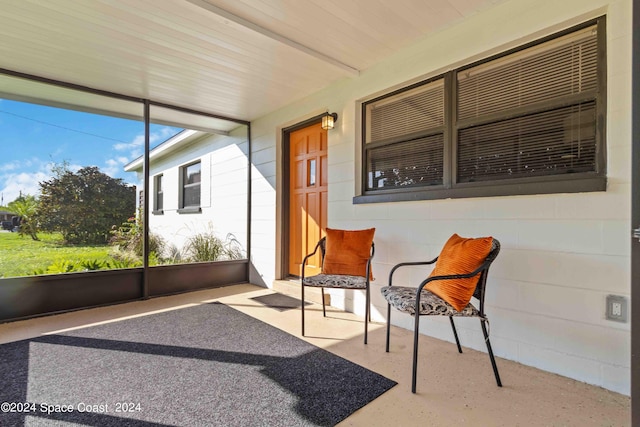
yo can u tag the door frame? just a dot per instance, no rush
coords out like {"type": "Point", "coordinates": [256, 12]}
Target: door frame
{"type": "Point", "coordinates": [283, 241]}
{"type": "Point", "coordinates": [635, 217]}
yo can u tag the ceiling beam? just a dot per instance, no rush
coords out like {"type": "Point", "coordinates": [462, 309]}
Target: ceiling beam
{"type": "Point", "coordinates": [274, 36]}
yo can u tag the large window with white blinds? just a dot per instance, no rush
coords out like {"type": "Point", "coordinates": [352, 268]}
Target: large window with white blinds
{"type": "Point", "coordinates": [528, 121]}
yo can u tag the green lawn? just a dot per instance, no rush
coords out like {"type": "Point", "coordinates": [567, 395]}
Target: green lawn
{"type": "Point", "coordinates": [21, 256]}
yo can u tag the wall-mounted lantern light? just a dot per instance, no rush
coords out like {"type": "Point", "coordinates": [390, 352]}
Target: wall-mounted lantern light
{"type": "Point", "coordinates": [329, 121]}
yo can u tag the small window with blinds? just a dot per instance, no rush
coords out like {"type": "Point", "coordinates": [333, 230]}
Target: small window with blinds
{"type": "Point", "coordinates": [190, 178]}
{"type": "Point", "coordinates": [529, 121]}
{"type": "Point", "coordinates": [158, 204]}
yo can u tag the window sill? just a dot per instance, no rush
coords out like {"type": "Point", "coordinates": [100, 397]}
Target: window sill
{"type": "Point", "coordinates": [192, 210]}
{"type": "Point", "coordinates": [157, 212]}
{"type": "Point", "coordinates": [568, 185]}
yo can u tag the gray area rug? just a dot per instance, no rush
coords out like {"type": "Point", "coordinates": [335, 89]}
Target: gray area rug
{"type": "Point", "coordinates": [208, 365]}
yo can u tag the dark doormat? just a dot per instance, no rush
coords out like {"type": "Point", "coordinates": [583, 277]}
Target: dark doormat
{"type": "Point", "coordinates": [208, 365]}
{"type": "Point", "coordinates": [280, 302]}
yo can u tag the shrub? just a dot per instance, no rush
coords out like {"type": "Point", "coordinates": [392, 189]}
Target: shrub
{"type": "Point", "coordinates": [62, 266]}
{"type": "Point", "coordinates": [207, 246]}
{"type": "Point", "coordinates": [173, 254]}
{"type": "Point", "coordinates": [128, 240]}
{"type": "Point", "coordinates": [93, 264]}
{"type": "Point", "coordinates": [124, 263]}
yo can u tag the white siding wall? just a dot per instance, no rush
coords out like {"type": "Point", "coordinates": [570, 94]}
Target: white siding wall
{"type": "Point", "coordinates": [223, 189]}
{"type": "Point", "coordinates": [561, 253]}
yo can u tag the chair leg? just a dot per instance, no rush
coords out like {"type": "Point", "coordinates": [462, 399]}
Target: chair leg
{"type": "Point", "coordinates": [388, 325]}
{"type": "Point", "coordinates": [367, 314]}
{"type": "Point", "coordinates": [324, 311]}
{"type": "Point", "coordinates": [416, 333]}
{"type": "Point", "coordinates": [455, 334]}
{"type": "Point", "coordinates": [493, 360]}
{"type": "Point", "coordinates": [302, 305]}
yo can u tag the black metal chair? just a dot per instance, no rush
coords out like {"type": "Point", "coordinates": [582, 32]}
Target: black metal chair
{"type": "Point", "coordinates": [418, 300]}
{"type": "Point", "coordinates": [337, 281]}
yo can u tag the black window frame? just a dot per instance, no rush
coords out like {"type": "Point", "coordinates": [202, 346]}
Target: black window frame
{"type": "Point", "coordinates": [549, 184]}
{"type": "Point", "coordinates": [184, 185]}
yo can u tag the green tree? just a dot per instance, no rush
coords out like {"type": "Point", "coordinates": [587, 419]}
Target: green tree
{"type": "Point", "coordinates": [26, 208]}
{"type": "Point", "coordinates": [85, 205]}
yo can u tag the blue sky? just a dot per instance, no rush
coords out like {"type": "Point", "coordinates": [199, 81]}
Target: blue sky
{"type": "Point", "coordinates": [34, 137]}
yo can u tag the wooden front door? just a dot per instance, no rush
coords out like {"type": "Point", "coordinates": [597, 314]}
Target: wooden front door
{"type": "Point", "coordinates": [307, 195]}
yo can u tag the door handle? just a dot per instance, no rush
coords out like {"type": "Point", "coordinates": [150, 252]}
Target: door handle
{"type": "Point", "coordinates": [636, 233]}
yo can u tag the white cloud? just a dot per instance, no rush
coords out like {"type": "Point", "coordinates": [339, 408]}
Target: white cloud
{"type": "Point", "coordinates": [18, 164]}
{"type": "Point", "coordinates": [7, 167]}
{"type": "Point", "coordinates": [12, 184]}
{"type": "Point", "coordinates": [113, 167]}
{"type": "Point", "coordinates": [138, 142]}
{"type": "Point", "coordinates": [22, 183]}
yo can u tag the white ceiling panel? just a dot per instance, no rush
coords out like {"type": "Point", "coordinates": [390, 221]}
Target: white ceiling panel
{"type": "Point", "coordinates": [234, 58]}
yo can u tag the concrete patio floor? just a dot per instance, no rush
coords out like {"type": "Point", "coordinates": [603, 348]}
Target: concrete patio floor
{"type": "Point", "coordinates": [453, 389]}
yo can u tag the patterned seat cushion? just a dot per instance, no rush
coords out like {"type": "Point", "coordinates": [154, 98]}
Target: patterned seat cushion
{"type": "Point", "coordinates": [404, 299]}
{"type": "Point", "coordinates": [336, 281]}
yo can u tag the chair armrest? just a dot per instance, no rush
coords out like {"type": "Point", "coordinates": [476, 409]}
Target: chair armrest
{"type": "Point", "coordinates": [405, 264]}
{"type": "Point", "coordinates": [304, 260]}
{"type": "Point", "coordinates": [452, 276]}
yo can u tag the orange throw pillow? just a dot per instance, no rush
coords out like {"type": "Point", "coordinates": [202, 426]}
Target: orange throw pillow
{"type": "Point", "coordinates": [348, 252]}
{"type": "Point", "coordinates": [459, 256]}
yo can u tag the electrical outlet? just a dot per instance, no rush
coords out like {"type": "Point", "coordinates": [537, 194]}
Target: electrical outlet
{"type": "Point", "coordinates": [616, 308]}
